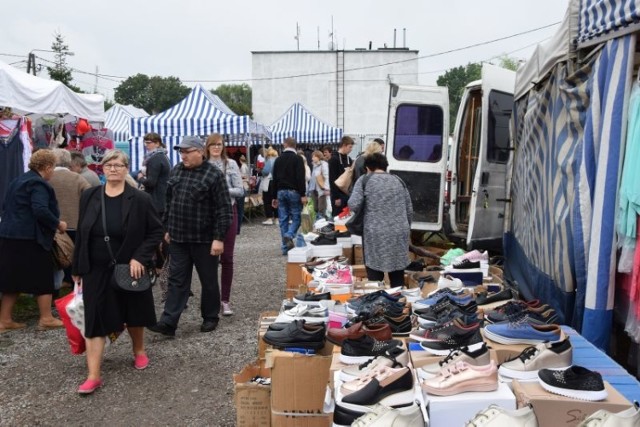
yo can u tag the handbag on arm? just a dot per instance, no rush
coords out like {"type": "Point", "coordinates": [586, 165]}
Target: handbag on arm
{"type": "Point", "coordinates": [122, 272]}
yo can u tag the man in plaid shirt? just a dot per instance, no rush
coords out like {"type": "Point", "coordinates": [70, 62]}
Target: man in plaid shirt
{"type": "Point", "coordinates": [196, 217]}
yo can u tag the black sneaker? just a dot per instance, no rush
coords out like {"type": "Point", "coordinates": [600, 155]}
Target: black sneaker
{"type": "Point", "coordinates": [362, 349]}
{"type": "Point", "coordinates": [323, 240]}
{"type": "Point", "coordinates": [209, 325]}
{"type": "Point", "coordinates": [310, 298]}
{"type": "Point", "coordinates": [465, 264]}
{"type": "Point", "coordinates": [575, 382]}
{"type": "Point", "coordinates": [444, 305]}
{"type": "Point", "coordinates": [288, 242]}
{"type": "Point", "coordinates": [396, 388]}
{"type": "Point", "coordinates": [345, 417]}
{"type": "Point", "coordinates": [417, 265]}
{"type": "Point", "coordinates": [297, 334]}
{"type": "Point", "coordinates": [163, 328]}
{"type": "Point", "coordinates": [453, 337]}
{"type": "Point", "coordinates": [485, 298]}
{"type": "Point", "coordinates": [400, 325]}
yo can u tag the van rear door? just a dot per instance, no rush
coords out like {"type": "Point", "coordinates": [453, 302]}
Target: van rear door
{"type": "Point", "coordinates": [486, 221]}
{"type": "Point", "coordinates": [417, 136]}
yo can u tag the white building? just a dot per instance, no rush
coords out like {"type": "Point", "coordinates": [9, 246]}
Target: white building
{"type": "Point", "coordinates": [345, 88]}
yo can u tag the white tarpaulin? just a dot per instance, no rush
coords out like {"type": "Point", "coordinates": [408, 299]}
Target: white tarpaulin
{"type": "Point", "coordinates": [25, 93]}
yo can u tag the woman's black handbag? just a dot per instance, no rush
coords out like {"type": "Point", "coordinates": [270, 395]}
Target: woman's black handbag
{"type": "Point", "coordinates": [355, 224]}
{"type": "Point", "coordinates": [121, 272]}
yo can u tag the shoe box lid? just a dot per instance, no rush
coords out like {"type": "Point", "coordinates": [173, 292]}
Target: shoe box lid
{"type": "Point", "coordinates": [456, 410]}
{"type": "Point", "coordinates": [299, 254]}
{"type": "Point", "coordinates": [553, 410]}
{"type": "Point", "coordinates": [345, 242]}
{"type": "Point", "coordinates": [356, 240]}
{"type": "Point", "coordinates": [252, 400]}
{"type": "Point", "coordinates": [326, 250]}
{"type": "Point", "coordinates": [299, 382]}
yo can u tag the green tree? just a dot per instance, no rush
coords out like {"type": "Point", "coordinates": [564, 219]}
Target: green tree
{"type": "Point", "coordinates": [509, 63]}
{"type": "Point", "coordinates": [456, 79]}
{"type": "Point", "coordinates": [108, 103]}
{"type": "Point", "coordinates": [237, 97]}
{"type": "Point", "coordinates": [153, 94]}
{"type": "Point", "coordinates": [60, 70]}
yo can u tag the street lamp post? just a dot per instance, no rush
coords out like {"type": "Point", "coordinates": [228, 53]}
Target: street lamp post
{"type": "Point", "coordinates": [31, 59]}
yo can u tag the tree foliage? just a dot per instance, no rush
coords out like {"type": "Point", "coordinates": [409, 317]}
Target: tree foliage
{"type": "Point", "coordinates": [153, 94]}
{"type": "Point", "coordinates": [60, 70]}
{"type": "Point", "coordinates": [237, 97]}
{"type": "Point", "coordinates": [456, 79]}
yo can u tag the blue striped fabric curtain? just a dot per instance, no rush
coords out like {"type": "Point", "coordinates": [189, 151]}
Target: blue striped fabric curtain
{"type": "Point", "coordinates": [568, 136]}
{"type": "Point", "coordinates": [602, 20]}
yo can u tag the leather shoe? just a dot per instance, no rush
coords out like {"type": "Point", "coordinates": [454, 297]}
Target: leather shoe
{"type": "Point", "coordinates": [209, 325]}
{"type": "Point", "coordinates": [162, 328]}
{"type": "Point", "coordinates": [381, 332]}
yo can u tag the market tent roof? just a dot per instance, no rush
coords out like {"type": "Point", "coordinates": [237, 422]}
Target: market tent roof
{"type": "Point", "coordinates": [602, 20]}
{"type": "Point", "coordinates": [198, 114]}
{"type": "Point", "coordinates": [25, 94]}
{"type": "Point", "coordinates": [117, 119]}
{"type": "Point", "coordinates": [300, 123]}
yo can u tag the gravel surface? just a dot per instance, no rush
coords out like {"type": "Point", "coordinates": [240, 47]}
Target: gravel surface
{"type": "Point", "coordinates": [189, 379]}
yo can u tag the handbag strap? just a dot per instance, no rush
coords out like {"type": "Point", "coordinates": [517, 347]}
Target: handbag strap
{"type": "Point", "coordinates": [104, 226]}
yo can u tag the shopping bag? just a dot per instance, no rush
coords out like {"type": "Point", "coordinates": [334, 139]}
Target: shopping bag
{"type": "Point", "coordinates": [306, 223]}
{"type": "Point", "coordinates": [345, 181]}
{"type": "Point", "coordinates": [74, 335]}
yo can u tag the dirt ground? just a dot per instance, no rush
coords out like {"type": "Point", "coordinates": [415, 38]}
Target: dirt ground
{"type": "Point", "coordinates": [189, 379]}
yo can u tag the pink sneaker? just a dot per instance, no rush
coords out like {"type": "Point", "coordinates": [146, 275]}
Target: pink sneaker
{"type": "Point", "coordinates": [474, 256]}
{"type": "Point", "coordinates": [141, 362]}
{"type": "Point", "coordinates": [341, 276]}
{"type": "Point", "coordinates": [89, 386]}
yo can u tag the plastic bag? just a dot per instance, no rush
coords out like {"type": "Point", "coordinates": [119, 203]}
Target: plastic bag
{"type": "Point", "coordinates": [74, 333]}
{"type": "Point", "coordinates": [307, 217]}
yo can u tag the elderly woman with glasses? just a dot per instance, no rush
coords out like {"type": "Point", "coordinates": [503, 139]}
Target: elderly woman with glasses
{"type": "Point", "coordinates": [216, 154]}
{"type": "Point", "coordinates": [134, 231]}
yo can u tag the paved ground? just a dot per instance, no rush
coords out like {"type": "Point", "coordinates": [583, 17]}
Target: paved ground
{"type": "Point", "coordinates": [189, 380]}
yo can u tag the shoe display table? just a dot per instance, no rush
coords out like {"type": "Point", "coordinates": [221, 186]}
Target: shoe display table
{"type": "Point", "coordinates": [587, 355]}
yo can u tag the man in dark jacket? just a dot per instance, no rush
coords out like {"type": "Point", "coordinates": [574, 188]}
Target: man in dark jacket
{"type": "Point", "coordinates": [196, 218]}
{"type": "Point", "coordinates": [290, 186]}
{"type": "Point", "coordinates": [339, 161]}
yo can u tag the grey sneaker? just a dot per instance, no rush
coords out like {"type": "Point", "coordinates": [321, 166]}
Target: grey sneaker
{"type": "Point", "coordinates": [226, 309]}
{"type": "Point", "coordinates": [496, 416]}
{"type": "Point", "coordinates": [555, 355]}
{"type": "Point", "coordinates": [479, 357]}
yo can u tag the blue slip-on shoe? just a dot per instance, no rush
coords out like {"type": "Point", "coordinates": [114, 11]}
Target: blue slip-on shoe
{"type": "Point", "coordinates": [461, 299]}
{"type": "Point", "coordinates": [522, 333]}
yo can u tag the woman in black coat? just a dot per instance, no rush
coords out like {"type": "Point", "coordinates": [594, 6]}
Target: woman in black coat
{"type": "Point", "coordinates": [134, 230]}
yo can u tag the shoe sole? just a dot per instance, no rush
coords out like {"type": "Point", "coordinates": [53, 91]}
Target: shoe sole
{"type": "Point", "coordinates": [227, 313]}
{"type": "Point", "coordinates": [480, 385]}
{"type": "Point", "coordinates": [301, 344]}
{"type": "Point", "coordinates": [523, 375]}
{"type": "Point", "coordinates": [506, 340]}
{"type": "Point", "coordinates": [576, 394]}
{"type": "Point", "coordinates": [90, 391]}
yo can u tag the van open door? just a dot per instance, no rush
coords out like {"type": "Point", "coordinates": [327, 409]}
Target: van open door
{"type": "Point", "coordinates": [417, 136]}
{"type": "Point", "coordinates": [478, 160]}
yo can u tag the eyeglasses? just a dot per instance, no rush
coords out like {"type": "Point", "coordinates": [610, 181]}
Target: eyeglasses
{"type": "Point", "coordinates": [114, 166]}
{"type": "Point", "coordinates": [185, 151]}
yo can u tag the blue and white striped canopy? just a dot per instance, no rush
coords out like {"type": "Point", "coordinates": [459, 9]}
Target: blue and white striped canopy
{"type": "Point", "coordinates": [117, 119]}
{"type": "Point", "coordinates": [300, 124]}
{"type": "Point", "coordinates": [602, 20]}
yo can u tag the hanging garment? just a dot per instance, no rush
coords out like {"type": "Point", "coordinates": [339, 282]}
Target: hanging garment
{"type": "Point", "coordinates": [94, 146]}
{"type": "Point", "coordinates": [11, 162]}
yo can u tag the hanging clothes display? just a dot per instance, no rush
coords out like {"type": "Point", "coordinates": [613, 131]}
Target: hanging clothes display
{"type": "Point", "coordinates": [94, 145]}
{"type": "Point", "coordinates": [49, 132]}
{"type": "Point", "coordinates": [13, 153]}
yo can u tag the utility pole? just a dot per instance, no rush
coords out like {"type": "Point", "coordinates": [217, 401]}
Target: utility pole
{"type": "Point", "coordinates": [95, 86]}
{"type": "Point", "coordinates": [297, 37]}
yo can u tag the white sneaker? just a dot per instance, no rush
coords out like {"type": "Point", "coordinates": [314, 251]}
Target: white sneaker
{"type": "Point", "coordinates": [226, 309]}
{"type": "Point", "coordinates": [446, 281]}
{"type": "Point", "coordinates": [384, 416]}
{"type": "Point", "coordinates": [268, 222]}
{"type": "Point", "coordinates": [628, 418]}
{"type": "Point", "coordinates": [495, 416]}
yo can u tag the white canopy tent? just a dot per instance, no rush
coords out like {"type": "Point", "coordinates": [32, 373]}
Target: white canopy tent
{"type": "Point", "coordinates": [25, 93]}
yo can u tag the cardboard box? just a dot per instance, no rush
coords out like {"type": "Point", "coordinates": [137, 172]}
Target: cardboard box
{"type": "Point", "coordinates": [301, 420]}
{"type": "Point", "coordinates": [553, 410]}
{"type": "Point", "coordinates": [252, 400]}
{"type": "Point", "coordinates": [294, 275]}
{"type": "Point", "coordinates": [299, 386]}
{"type": "Point", "coordinates": [359, 271]}
{"type": "Point", "coordinates": [266, 318]}
{"type": "Point", "coordinates": [456, 410]}
{"type": "Point", "coordinates": [347, 252]}
{"type": "Point", "coordinates": [358, 256]}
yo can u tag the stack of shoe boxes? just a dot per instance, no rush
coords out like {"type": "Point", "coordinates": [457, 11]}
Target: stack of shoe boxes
{"type": "Point", "coordinates": [300, 395]}
{"type": "Point", "coordinates": [252, 399]}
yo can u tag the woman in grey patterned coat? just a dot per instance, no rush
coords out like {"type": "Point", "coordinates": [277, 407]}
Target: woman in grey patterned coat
{"type": "Point", "coordinates": [387, 220]}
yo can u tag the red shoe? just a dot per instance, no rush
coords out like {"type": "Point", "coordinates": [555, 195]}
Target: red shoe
{"type": "Point", "coordinates": [141, 361]}
{"type": "Point", "coordinates": [89, 386]}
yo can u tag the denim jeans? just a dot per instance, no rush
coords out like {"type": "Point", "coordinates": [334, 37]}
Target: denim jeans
{"type": "Point", "coordinates": [289, 208]}
{"type": "Point", "coordinates": [183, 257]}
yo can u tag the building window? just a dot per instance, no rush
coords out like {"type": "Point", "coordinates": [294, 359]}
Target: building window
{"type": "Point", "coordinates": [418, 133]}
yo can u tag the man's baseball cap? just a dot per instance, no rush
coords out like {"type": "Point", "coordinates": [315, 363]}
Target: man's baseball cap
{"type": "Point", "coordinates": [190, 142]}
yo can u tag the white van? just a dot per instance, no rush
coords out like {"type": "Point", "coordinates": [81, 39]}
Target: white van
{"type": "Point", "coordinates": [417, 150]}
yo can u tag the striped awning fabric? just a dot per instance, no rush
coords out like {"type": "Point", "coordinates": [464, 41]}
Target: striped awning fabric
{"type": "Point", "coordinates": [117, 119]}
{"type": "Point", "coordinates": [602, 20]}
{"type": "Point", "coordinates": [300, 124]}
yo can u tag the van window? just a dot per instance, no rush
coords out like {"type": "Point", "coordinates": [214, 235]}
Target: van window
{"type": "Point", "coordinates": [500, 106]}
{"type": "Point", "coordinates": [418, 133]}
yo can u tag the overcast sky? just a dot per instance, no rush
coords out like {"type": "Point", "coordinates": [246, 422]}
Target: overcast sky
{"type": "Point", "coordinates": [211, 41]}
